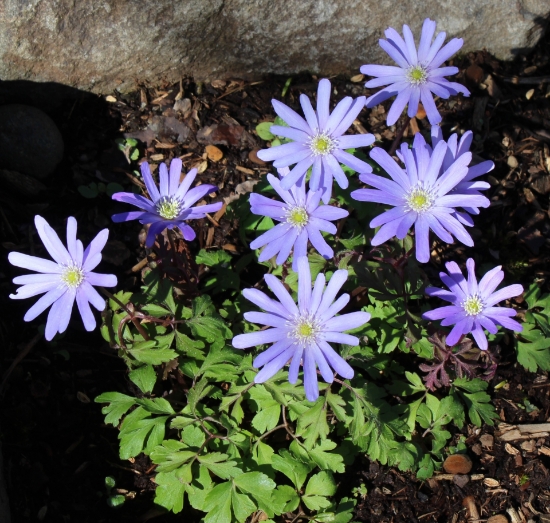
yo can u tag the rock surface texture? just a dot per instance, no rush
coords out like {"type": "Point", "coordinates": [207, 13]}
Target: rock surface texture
{"type": "Point", "coordinates": [108, 44]}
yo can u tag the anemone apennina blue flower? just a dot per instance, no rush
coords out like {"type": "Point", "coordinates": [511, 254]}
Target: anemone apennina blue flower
{"type": "Point", "coordinates": [300, 332]}
{"type": "Point", "coordinates": [302, 220]}
{"type": "Point", "coordinates": [170, 204]}
{"type": "Point", "coordinates": [418, 73]}
{"type": "Point", "coordinates": [318, 141]}
{"type": "Point", "coordinates": [473, 304]}
{"type": "Point", "coordinates": [62, 281]}
{"type": "Point", "coordinates": [469, 185]}
{"type": "Point", "coordinates": [421, 195]}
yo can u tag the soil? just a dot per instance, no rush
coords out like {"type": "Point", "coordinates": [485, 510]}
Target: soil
{"type": "Point", "coordinates": [57, 451]}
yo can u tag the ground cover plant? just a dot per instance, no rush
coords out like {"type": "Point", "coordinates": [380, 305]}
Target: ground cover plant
{"type": "Point", "coordinates": [236, 443]}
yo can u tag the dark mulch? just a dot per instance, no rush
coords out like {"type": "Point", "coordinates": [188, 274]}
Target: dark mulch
{"type": "Point", "coordinates": [57, 449]}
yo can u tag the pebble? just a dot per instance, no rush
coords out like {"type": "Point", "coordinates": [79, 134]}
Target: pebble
{"type": "Point", "coordinates": [512, 162]}
{"type": "Point", "coordinates": [30, 142]}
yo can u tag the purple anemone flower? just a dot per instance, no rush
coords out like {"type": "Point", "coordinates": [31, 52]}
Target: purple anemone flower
{"type": "Point", "coordinates": [418, 73]}
{"type": "Point", "coordinates": [66, 279]}
{"type": "Point", "coordinates": [318, 141]}
{"type": "Point", "coordinates": [473, 305]}
{"type": "Point", "coordinates": [300, 333]}
{"type": "Point", "coordinates": [302, 219]}
{"type": "Point", "coordinates": [170, 206]}
{"type": "Point", "coordinates": [421, 195]}
{"type": "Point", "coordinates": [469, 185]}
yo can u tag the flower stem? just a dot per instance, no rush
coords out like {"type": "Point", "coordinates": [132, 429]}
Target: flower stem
{"type": "Point", "coordinates": [399, 136]}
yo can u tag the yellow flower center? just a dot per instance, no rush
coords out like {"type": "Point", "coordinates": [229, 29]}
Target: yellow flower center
{"type": "Point", "coordinates": [72, 276]}
{"type": "Point", "coordinates": [322, 144]}
{"type": "Point", "coordinates": [168, 207]}
{"type": "Point", "coordinates": [306, 328]}
{"type": "Point", "coordinates": [417, 75]}
{"type": "Point", "coordinates": [297, 217]}
{"type": "Point", "coordinates": [473, 305]}
{"type": "Point", "coordinates": [420, 199]}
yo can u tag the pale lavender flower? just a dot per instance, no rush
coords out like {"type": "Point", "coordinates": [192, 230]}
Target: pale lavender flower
{"type": "Point", "coordinates": [170, 206]}
{"type": "Point", "coordinates": [318, 141]}
{"type": "Point", "coordinates": [66, 279]}
{"type": "Point", "coordinates": [302, 219]}
{"type": "Point", "coordinates": [473, 305]}
{"type": "Point", "coordinates": [418, 73]}
{"type": "Point", "coordinates": [421, 195]}
{"type": "Point", "coordinates": [468, 185]}
{"type": "Point", "coordinates": [300, 333]}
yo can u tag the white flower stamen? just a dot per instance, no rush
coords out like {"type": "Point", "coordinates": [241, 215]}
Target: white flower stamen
{"type": "Point", "coordinates": [417, 75]}
{"type": "Point", "coordinates": [322, 144]}
{"type": "Point", "coordinates": [473, 305]}
{"type": "Point", "coordinates": [168, 207]}
{"type": "Point", "coordinates": [420, 199]}
{"type": "Point", "coordinates": [72, 276]}
{"type": "Point", "coordinates": [304, 329]}
{"type": "Point", "coordinates": [297, 216]}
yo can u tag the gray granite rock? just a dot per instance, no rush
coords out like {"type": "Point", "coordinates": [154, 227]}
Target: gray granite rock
{"type": "Point", "coordinates": [30, 142]}
{"type": "Point", "coordinates": [108, 44]}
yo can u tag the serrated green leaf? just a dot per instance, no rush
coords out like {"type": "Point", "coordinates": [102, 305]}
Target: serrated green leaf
{"type": "Point", "coordinates": [319, 487]}
{"type": "Point", "coordinates": [261, 488]}
{"type": "Point", "coordinates": [262, 453]}
{"type": "Point", "coordinates": [217, 463]}
{"type": "Point", "coordinates": [156, 405]}
{"type": "Point", "coordinates": [263, 130]}
{"type": "Point", "coordinates": [218, 504]}
{"type": "Point", "coordinates": [242, 506]}
{"type": "Point", "coordinates": [312, 424]}
{"type": "Point", "coordinates": [212, 258]}
{"type": "Point", "coordinates": [426, 468]}
{"type": "Point", "coordinates": [295, 471]}
{"type": "Point", "coordinates": [140, 433]}
{"type": "Point", "coordinates": [534, 354]}
{"type": "Point", "coordinates": [320, 455]}
{"type": "Point", "coordinates": [118, 406]}
{"type": "Point", "coordinates": [193, 436]}
{"type": "Point", "coordinates": [286, 497]}
{"type": "Point", "coordinates": [199, 488]}
{"type": "Point", "coordinates": [171, 455]}
{"type": "Point", "coordinates": [144, 377]}
{"type": "Point", "coordinates": [145, 352]}
{"type": "Point", "coordinates": [170, 491]}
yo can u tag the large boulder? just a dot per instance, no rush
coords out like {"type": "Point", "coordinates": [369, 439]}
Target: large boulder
{"type": "Point", "coordinates": [101, 45]}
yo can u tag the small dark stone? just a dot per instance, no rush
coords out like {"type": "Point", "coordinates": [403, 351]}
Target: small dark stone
{"type": "Point", "coordinates": [30, 142]}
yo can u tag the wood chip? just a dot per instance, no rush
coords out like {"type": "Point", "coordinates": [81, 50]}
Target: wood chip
{"type": "Point", "coordinates": [357, 78]}
{"type": "Point", "coordinates": [529, 94]}
{"type": "Point", "coordinates": [244, 169]}
{"type": "Point", "coordinates": [491, 483]}
{"type": "Point", "coordinates": [110, 99]}
{"type": "Point", "coordinates": [545, 451]}
{"type": "Point", "coordinates": [511, 450]}
{"type": "Point", "coordinates": [157, 157]}
{"type": "Point", "coordinates": [528, 446]}
{"type": "Point", "coordinates": [253, 157]}
{"type": "Point", "coordinates": [487, 441]}
{"type": "Point", "coordinates": [514, 516]}
{"type": "Point", "coordinates": [469, 503]}
{"type": "Point", "coordinates": [229, 247]}
{"type": "Point", "coordinates": [458, 464]}
{"type": "Point", "coordinates": [498, 518]}
{"type": "Point", "coordinates": [214, 153]}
